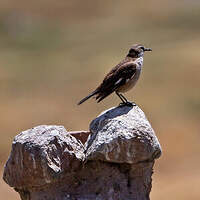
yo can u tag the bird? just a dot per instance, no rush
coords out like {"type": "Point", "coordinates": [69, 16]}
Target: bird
{"type": "Point", "coordinates": [122, 77]}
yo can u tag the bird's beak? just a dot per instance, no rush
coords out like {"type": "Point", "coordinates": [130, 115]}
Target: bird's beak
{"type": "Point", "coordinates": [147, 49]}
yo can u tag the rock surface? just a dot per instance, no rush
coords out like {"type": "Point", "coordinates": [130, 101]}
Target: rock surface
{"type": "Point", "coordinates": [122, 135]}
{"type": "Point", "coordinates": [41, 156]}
{"type": "Point", "coordinates": [82, 136]}
{"type": "Point", "coordinates": [116, 162]}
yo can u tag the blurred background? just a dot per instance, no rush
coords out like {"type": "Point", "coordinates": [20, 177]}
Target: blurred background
{"type": "Point", "coordinates": [53, 53]}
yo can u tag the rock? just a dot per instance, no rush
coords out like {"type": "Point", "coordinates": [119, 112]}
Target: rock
{"type": "Point", "coordinates": [82, 136]}
{"type": "Point", "coordinates": [42, 155]}
{"type": "Point", "coordinates": [122, 135]}
{"type": "Point", "coordinates": [116, 162]}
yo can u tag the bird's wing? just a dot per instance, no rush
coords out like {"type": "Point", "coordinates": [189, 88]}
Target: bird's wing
{"type": "Point", "coordinates": [117, 77]}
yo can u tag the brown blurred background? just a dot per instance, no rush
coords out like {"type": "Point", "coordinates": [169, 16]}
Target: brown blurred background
{"type": "Point", "coordinates": [53, 53]}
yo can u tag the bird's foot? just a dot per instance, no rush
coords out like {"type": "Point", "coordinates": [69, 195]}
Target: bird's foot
{"type": "Point", "coordinates": [128, 103]}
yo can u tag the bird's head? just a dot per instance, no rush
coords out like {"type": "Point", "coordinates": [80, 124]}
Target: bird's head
{"type": "Point", "coordinates": [137, 51]}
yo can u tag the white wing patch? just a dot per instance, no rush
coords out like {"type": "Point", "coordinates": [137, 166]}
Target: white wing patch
{"type": "Point", "coordinates": [118, 81]}
{"type": "Point", "coordinates": [129, 79]}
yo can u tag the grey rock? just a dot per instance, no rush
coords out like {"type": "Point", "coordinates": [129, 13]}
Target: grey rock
{"type": "Point", "coordinates": [41, 156]}
{"type": "Point", "coordinates": [116, 162]}
{"type": "Point", "coordinates": [122, 135]}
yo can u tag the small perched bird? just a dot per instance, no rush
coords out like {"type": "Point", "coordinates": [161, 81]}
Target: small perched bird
{"type": "Point", "coordinates": [122, 77]}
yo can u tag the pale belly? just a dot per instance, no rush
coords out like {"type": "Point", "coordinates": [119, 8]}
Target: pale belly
{"type": "Point", "coordinates": [130, 83]}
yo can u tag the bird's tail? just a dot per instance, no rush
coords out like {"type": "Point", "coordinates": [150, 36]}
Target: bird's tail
{"type": "Point", "coordinates": [86, 98]}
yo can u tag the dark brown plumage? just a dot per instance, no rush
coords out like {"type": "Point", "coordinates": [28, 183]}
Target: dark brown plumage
{"type": "Point", "coordinates": [122, 77]}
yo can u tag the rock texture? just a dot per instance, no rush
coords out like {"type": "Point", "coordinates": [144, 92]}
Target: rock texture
{"type": "Point", "coordinates": [42, 155]}
{"type": "Point", "coordinates": [116, 162]}
{"type": "Point", "coordinates": [122, 135]}
{"type": "Point", "coordinates": [81, 136]}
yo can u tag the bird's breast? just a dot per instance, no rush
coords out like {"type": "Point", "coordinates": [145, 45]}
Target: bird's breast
{"type": "Point", "coordinates": [130, 83]}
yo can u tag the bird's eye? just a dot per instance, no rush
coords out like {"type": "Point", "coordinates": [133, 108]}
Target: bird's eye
{"type": "Point", "coordinates": [142, 48]}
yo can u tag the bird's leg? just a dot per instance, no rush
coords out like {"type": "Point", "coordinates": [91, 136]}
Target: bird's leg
{"type": "Point", "coordinates": [128, 103]}
{"type": "Point", "coordinates": [124, 100]}
{"type": "Point", "coordinates": [123, 97]}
